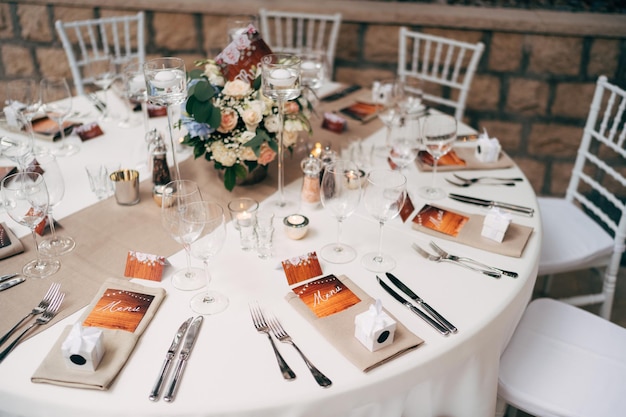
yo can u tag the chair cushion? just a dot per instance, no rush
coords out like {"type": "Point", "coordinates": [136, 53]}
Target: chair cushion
{"type": "Point", "coordinates": [564, 361]}
{"type": "Point", "coordinates": [571, 239]}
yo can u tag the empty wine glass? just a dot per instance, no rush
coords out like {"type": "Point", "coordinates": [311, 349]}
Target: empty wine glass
{"type": "Point", "coordinates": [340, 193]}
{"type": "Point", "coordinates": [404, 140]}
{"type": "Point", "coordinates": [384, 197]}
{"type": "Point", "coordinates": [18, 148]}
{"type": "Point", "coordinates": [56, 245]}
{"type": "Point", "coordinates": [135, 85]}
{"type": "Point", "coordinates": [166, 84]}
{"type": "Point", "coordinates": [314, 71]}
{"type": "Point", "coordinates": [438, 136]}
{"type": "Point", "coordinates": [209, 217]}
{"type": "Point", "coordinates": [412, 96]}
{"type": "Point", "coordinates": [387, 93]}
{"type": "Point", "coordinates": [102, 73]}
{"type": "Point", "coordinates": [57, 104]}
{"type": "Point", "coordinates": [26, 201]}
{"type": "Point", "coordinates": [23, 95]}
{"type": "Point", "coordinates": [176, 196]}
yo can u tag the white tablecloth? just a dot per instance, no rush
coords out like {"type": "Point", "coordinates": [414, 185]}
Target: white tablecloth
{"type": "Point", "coordinates": [232, 370]}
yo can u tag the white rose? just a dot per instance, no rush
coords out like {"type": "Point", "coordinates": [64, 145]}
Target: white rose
{"type": "Point", "coordinates": [222, 154]}
{"type": "Point", "coordinates": [246, 136]}
{"type": "Point", "coordinates": [251, 117]}
{"type": "Point", "coordinates": [236, 88]}
{"type": "Point", "coordinates": [213, 74]}
{"type": "Point", "coordinates": [292, 129]}
{"type": "Point", "coordinates": [271, 124]}
{"type": "Point", "coordinates": [247, 154]}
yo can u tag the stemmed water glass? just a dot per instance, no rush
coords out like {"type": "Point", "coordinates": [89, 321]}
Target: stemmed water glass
{"type": "Point", "coordinates": [387, 93]}
{"type": "Point", "coordinates": [404, 140]}
{"type": "Point", "coordinates": [209, 216]}
{"type": "Point", "coordinates": [26, 201]}
{"type": "Point", "coordinates": [135, 86]}
{"type": "Point", "coordinates": [57, 104]}
{"type": "Point", "coordinates": [18, 148]}
{"type": "Point", "coordinates": [340, 193]}
{"type": "Point", "coordinates": [313, 70]}
{"type": "Point", "coordinates": [384, 197]}
{"type": "Point", "coordinates": [56, 245]}
{"type": "Point", "coordinates": [24, 97]}
{"type": "Point", "coordinates": [281, 82]}
{"type": "Point", "coordinates": [102, 73]}
{"type": "Point", "coordinates": [177, 195]}
{"type": "Point", "coordinates": [166, 83]}
{"type": "Point", "coordinates": [438, 135]}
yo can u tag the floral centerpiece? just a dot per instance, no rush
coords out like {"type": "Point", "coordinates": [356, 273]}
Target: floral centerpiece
{"type": "Point", "coordinates": [234, 125]}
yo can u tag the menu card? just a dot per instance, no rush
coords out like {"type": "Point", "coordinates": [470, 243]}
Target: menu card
{"type": "Point", "coordinates": [119, 309]}
{"type": "Point", "coordinates": [440, 220]}
{"type": "Point", "coordinates": [326, 296]}
{"type": "Point", "coordinates": [241, 58]}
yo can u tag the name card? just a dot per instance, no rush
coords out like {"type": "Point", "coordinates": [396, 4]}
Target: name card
{"type": "Point", "coordinates": [440, 220]}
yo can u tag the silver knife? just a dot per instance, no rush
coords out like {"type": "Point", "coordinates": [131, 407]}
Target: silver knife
{"type": "Point", "coordinates": [490, 203]}
{"type": "Point", "coordinates": [8, 276]}
{"type": "Point", "coordinates": [12, 283]}
{"type": "Point", "coordinates": [441, 329]}
{"type": "Point", "coordinates": [190, 339]}
{"type": "Point", "coordinates": [156, 390]}
{"type": "Point", "coordinates": [421, 302]}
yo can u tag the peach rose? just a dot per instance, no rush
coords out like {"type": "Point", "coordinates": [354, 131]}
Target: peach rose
{"type": "Point", "coordinates": [229, 121]}
{"type": "Point", "coordinates": [236, 88]}
{"type": "Point", "coordinates": [291, 108]}
{"type": "Point", "coordinates": [251, 118]}
{"type": "Point", "coordinates": [266, 155]}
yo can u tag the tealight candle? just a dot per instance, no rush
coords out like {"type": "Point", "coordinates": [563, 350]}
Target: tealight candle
{"type": "Point", "coordinates": [282, 78]}
{"type": "Point", "coordinates": [296, 226]}
{"type": "Point", "coordinates": [137, 83]}
{"type": "Point", "coordinates": [165, 78]}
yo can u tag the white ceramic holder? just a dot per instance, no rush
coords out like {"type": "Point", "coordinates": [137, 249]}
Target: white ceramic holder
{"type": "Point", "coordinates": [495, 225]}
{"type": "Point", "coordinates": [374, 328]}
{"type": "Point", "coordinates": [83, 348]}
{"type": "Point", "coordinates": [487, 149]}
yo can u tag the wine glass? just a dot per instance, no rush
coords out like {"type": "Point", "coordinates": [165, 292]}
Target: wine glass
{"type": "Point", "coordinates": [177, 195]}
{"type": "Point", "coordinates": [387, 94]}
{"type": "Point", "coordinates": [384, 197]}
{"type": "Point", "coordinates": [56, 245]}
{"type": "Point", "coordinates": [135, 86]}
{"type": "Point", "coordinates": [102, 73]}
{"type": "Point", "coordinates": [412, 96]}
{"type": "Point", "coordinates": [313, 69]}
{"type": "Point", "coordinates": [209, 217]}
{"type": "Point", "coordinates": [23, 95]}
{"type": "Point", "coordinates": [438, 135]}
{"type": "Point", "coordinates": [57, 104]}
{"type": "Point", "coordinates": [404, 140]}
{"type": "Point", "coordinates": [281, 82]}
{"type": "Point", "coordinates": [340, 193]}
{"type": "Point", "coordinates": [166, 84]}
{"type": "Point", "coordinates": [26, 201]}
{"type": "Point", "coordinates": [18, 148]}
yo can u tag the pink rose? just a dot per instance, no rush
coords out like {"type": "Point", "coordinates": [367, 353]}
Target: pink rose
{"type": "Point", "coordinates": [266, 155]}
{"type": "Point", "coordinates": [229, 121]}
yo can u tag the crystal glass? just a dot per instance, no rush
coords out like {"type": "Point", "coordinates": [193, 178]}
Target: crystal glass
{"type": "Point", "coordinates": [102, 72]}
{"type": "Point", "coordinates": [122, 86]}
{"type": "Point", "coordinates": [135, 87]}
{"type": "Point", "coordinates": [177, 195]}
{"type": "Point", "coordinates": [166, 84]}
{"type": "Point", "coordinates": [209, 218]}
{"type": "Point", "coordinates": [237, 25]}
{"type": "Point", "coordinates": [281, 82]}
{"type": "Point", "coordinates": [56, 245]}
{"type": "Point", "coordinates": [56, 99]}
{"type": "Point", "coordinates": [412, 96]}
{"type": "Point", "coordinates": [384, 196]}
{"type": "Point", "coordinates": [340, 193]}
{"type": "Point", "coordinates": [26, 201]}
{"type": "Point", "coordinates": [23, 95]}
{"type": "Point", "coordinates": [405, 140]}
{"type": "Point", "coordinates": [387, 93]}
{"type": "Point", "coordinates": [438, 136]}
{"type": "Point", "coordinates": [314, 70]}
{"type": "Point", "coordinates": [18, 148]}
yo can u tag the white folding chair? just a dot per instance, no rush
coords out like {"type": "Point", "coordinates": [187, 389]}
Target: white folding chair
{"type": "Point", "coordinates": [449, 63]}
{"type": "Point", "coordinates": [91, 40]}
{"type": "Point", "coordinates": [564, 361]}
{"type": "Point", "coordinates": [587, 228]}
{"type": "Point", "coordinates": [295, 33]}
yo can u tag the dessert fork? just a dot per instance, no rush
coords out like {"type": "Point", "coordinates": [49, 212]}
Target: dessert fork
{"type": "Point", "coordinates": [437, 258]}
{"type": "Point", "coordinates": [40, 308]}
{"type": "Point", "coordinates": [284, 337]}
{"type": "Point", "coordinates": [261, 326]}
{"type": "Point", "coordinates": [45, 318]}
{"type": "Point", "coordinates": [445, 254]}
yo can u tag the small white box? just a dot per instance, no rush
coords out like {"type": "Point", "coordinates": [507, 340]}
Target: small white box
{"type": "Point", "coordinates": [496, 224]}
{"type": "Point", "coordinates": [487, 149]}
{"type": "Point", "coordinates": [374, 328]}
{"type": "Point", "coordinates": [83, 348]}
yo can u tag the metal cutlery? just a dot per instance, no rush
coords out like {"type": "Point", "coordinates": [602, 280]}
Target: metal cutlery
{"type": "Point", "coordinates": [448, 255]}
{"type": "Point", "coordinates": [437, 258]}
{"type": "Point", "coordinates": [491, 203]}
{"type": "Point", "coordinates": [190, 340]}
{"type": "Point", "coordinates": [40, 308]}
{"type": "Point", "coordinates": [478, 179]}
{"type": "Point", "coordinates": [433, 323]}
{"type": "Point", "coordinates": [342, 93]}
{"type": "Point", "coordinates": [156, 390]}
{"type": "Point", "coordinates": [45, 318]}
{"type": "Point", "coordinates": [469, 184]}
{"type": "Point", "coordinates": [8, 276]}
{"type": "Point", "coordinates": [420, 301]}
{"type": "Point", "coordinates": [283, 336]}
{"type": "Point", "coordinates": [11, 283]}
{"type": "Point", "coordinates": [260, 324]}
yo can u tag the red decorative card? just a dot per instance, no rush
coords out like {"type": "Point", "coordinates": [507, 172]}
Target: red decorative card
{"type": "Point", "coordinates": [241, 58]}
{"type": "Point", "coordinates": [302, 268]}
{"type": "Point", "coordinates": [326, 296]}
{"type": "Point", "coordinates": [119, 310]}
{"type": "Point", "coordinates": [440, 220]}
{"type": "Point", "coordinates": [449, 159]}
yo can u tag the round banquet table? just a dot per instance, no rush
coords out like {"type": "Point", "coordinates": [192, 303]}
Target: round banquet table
{"type": "Point", "coordinates": [232, 370]}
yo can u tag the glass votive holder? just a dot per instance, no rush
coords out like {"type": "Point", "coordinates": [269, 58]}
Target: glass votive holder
{"type": "Point", "coordinates": [247, 236]}
{"type": "Point", "coordinates": [296, 226]}
{"type": "Point", "coordinates": [264, 242]}
{"type": "Point", "coordinates": [243, 211]}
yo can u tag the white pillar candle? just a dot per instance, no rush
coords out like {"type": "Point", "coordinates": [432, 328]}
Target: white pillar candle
{"type": "Point", "coordinates": [282, 78]}
{"type": "Point", "coordinates": [165, 78]}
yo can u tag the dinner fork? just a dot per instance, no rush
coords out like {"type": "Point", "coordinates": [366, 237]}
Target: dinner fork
{"type": "Point", "coordinates": [284, 337]}
{"type": "Point", "coordinates": [448, 255]}
{"type": "Point", "coordinates": [258, 319]}
{"type": "Point", "coordinates": [477, 179]}
{"type": "Point", "coordinates": [45, 318]}
{"type": "Point", "coordinates": [40, 308]}
{"type": "Point", "coordinates": [437, 258]}
{"type": "Point", "coordinates": [468, 184]}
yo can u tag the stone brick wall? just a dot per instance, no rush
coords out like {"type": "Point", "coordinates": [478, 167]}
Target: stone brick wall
{"type": "Point", "coordinates": [532, 89]}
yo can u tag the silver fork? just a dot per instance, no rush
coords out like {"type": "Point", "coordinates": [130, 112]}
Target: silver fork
{"type": "Point", "coordinates": [261, 326]}
{"type": "Point", "coordinates": [477, 179]}
{"type": "Point", "coordinates": [470, 183]}
{"type": "Point", "coordinates": [437, 258]}
{"type": "Point", "coordinates": [45, 318]}
{"type": "Point", "coordinates": [448, 255]}
{"type": "Point", "coordinates": [284, 337]}
{"type": "Point", "coordinates": [40, 308]}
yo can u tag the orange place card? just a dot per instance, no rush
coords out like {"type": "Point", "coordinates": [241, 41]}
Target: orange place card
{"type": "Point", "coordinates": [41, 226]}
{"type": "Point", "coordinates": [362, 111]}
{"type": "Point", "coordinates": [6, 171]}
{"type": "Point", "coordinates": [449, 159]}
{"type": "Point", "coordinates": [407, 209]}
{"type": "Point", "coordinates": [302, 268]}
{"type": "Point", "coordinates": [89, 131]}
{"type": "Point", "coordinates": [119, 310]}
{"type": "Point", "coordinates": [241, 58]}
{"type": "Point", "coordinates": [326, 296]}
{"type": "Point", "coordinates": [440, 220]}
{"type": "Point", "coordinates": [144, 266]}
